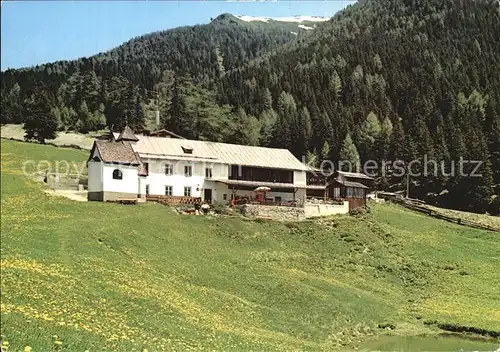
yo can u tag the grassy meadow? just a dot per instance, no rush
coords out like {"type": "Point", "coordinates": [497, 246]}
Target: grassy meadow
{"type": "Point", "coordinates": [78, 276]}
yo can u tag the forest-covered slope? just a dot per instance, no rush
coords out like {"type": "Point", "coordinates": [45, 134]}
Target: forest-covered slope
{"type": "Point", "coordinates": [382, 80]}
{"type": "Point", "coordinates": [87, 91]}
{"type": "Point", "coordinates": [403, 78]}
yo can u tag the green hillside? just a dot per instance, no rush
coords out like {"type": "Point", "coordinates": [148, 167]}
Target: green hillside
{"type": "Point", "coordinates": [94, 276]}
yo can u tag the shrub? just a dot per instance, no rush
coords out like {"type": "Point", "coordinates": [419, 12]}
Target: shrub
{"type": "Point", "coordinates": [359, 211]}
{"type": "Point", "coordinates": [494, 206]}
{"type": "Point", "coordinates": [221, 209]}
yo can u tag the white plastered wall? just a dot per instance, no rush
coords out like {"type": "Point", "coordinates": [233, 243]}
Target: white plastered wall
{"type": "Point", "coordinates": [129, 182]}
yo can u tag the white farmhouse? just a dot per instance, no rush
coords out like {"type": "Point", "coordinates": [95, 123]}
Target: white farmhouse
{"type": "Point", "coordinates": [135, 166]}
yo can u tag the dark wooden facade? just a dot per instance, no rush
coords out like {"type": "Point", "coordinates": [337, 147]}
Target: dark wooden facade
{"type": "Point", "coordinates": [353, 192]}
{"type": "Point", "coordinates": [248, 173]}
{"type": "Point", "coordinates": [316, 183]}
{"type": "Point", "coordinates": [352, 187]}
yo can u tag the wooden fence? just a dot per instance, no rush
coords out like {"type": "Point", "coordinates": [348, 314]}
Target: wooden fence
{"type": "Point", "coordinates": [420, 207]}
{"type": "Point", "coordinates": [173, 200]}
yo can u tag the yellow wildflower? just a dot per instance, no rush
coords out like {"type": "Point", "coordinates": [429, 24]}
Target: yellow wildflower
{"type": "Point", "coordinates": [27, 349]}
{"type": "Point", "coordinates": [59, 343]}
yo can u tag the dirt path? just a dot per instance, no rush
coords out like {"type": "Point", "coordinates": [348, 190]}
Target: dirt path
{"type": "Point", "coordinates": [73, 195]}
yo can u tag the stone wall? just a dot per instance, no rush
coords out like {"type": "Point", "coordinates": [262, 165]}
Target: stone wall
{"type": "Point", "coordinates": [65, 182]}
{"type": "Point", "coordinates": [272, 212]}
{"type": "Point", "coordinates": [315, 210]}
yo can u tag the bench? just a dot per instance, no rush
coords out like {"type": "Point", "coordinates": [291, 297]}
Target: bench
{"type": "Point", "coordinates": [126, 200]}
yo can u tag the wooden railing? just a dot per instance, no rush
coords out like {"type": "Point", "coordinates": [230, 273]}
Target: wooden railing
{"type": "Point", "coordinates": [173, 200]}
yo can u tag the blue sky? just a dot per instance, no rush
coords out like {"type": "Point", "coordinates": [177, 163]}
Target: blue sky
{"type": "Point", "coordinates": [36, 32]}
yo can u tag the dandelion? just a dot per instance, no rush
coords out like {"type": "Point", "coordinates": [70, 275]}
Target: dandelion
{"type": "Point", "coordinates": [27, 349]}
{"type": "Point", "coordinates": [58, 343]}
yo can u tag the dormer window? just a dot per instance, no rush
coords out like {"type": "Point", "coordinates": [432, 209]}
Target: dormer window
{"type": "Point", "coordinates": [187, 150]}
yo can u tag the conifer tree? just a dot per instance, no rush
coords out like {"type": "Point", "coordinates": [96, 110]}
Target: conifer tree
{"type": "Point", "coordinates": [40, 122]}
{"type": "Point", "coordinates": [268, 121]}
{"type": "Point", "coordinates": [285, 129]}
{"type": "Point", "coordinates": [323, 130]}
{"type": "Point", "coordinates": [99, 118]}
{"type": "Point", "coordinates": [304, 128]}
{"type": "Point", "coordinates": [180, 121]}
{"type": "Point", "coordinates": [246, 129]}
{"type": "Point", "coordinates": [325, 152]}
{"type": "Point", "coordinates": [84, 123]}
{"type": "Point", "coordinates": [312, 159]}
{"type": "Point", "coordinates": [336, 84]}
{"type": "Point", "coordinates": [139, 117]}
{"type": "Point", "coordinates": [266, 100]}
{"type": "Point", "coordinates": [349, 155]}
{"type": "Point", "coordinates": [368, 134]}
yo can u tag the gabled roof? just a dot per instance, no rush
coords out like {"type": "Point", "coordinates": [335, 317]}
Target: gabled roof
{"type": "Point", "coordinates": [115, 152]}
{"type": "Point", "coordinates": [350, 184]}
{"type": "Point", "coordinates": [354, 175]}
{"type": "Point", "coordinates": [244, 155]}
{"type": "Point", "coordinates": [127, 135]}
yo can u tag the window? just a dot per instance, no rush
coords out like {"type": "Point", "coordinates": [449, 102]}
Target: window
{"type": "Point", "coordinates": [336, 192]}
{"type": "Point", "coordinates": [147, 190]}
{"type": "Point", "coordinates": [187, 150]}
{"type": "Point", "coordinates": [169, 169]}
{"type": "Point", "coordinates": [277, 199]}
{"type": "Point", "coordinates": [359, 193]}
{"type": "Point", "coordinates": [168, 190]}
{"type": "Point", "coordinates": [117, 174]}
{"type": "Point", "coordinates": [224, 196]}
{"type": "Point", "coordinates": [208, 172]}
{"type": "Point", "coordinates": [188, 171]}
{"type": "Point", "coordinates": [146, 167]}
{"type": "Point", "coordinates": [350, 192]}
{"type": "Point", "coordinates": [187, 191]}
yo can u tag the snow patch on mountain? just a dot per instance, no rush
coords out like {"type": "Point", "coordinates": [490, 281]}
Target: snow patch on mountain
{"type": "Point", "coordinates": [297, 19]}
